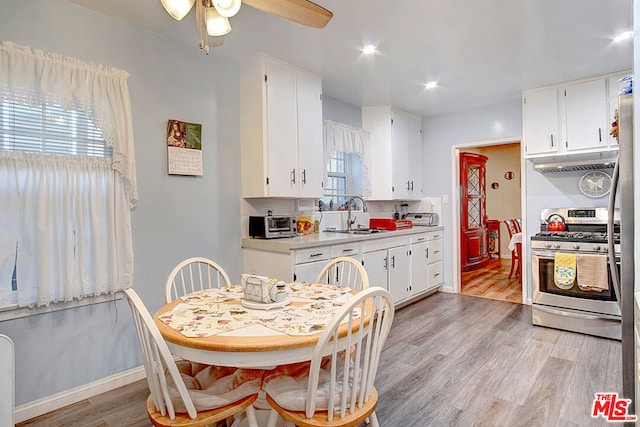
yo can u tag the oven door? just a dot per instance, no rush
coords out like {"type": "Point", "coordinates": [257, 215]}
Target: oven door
{"type": "Point", "coordinates": [545, 292]}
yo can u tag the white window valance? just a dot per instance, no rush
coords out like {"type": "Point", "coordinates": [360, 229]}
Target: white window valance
{"type": "Point", "coordinates": [33, 77]}
{"type": "Point", "coordinates": [339, 137]}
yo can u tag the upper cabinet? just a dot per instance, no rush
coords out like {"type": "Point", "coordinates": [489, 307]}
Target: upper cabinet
{"type": "Point", "coordinates": [585, 115]}
{"type": "Point", "coordinates": [541, 121]}
{"type": "Point", "coordinates": [281, 131]}
{"type": "Point", "coordinates": [395, 138]}
{"type": "Point", "coordinates": [574, 117]}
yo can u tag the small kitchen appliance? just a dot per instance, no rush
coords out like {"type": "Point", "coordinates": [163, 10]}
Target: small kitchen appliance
{"type": "Point", "coordinates": [270, 227]}
{"type": "Point", "coordinates": [429, 219]}
{"type": "Point", "coordinates": [389, 223]}
{"type": "Point", "coordinates": [574, 306]}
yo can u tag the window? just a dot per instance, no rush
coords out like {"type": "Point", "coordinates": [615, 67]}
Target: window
{"type": "Point", "coordinates": [345, 153]}
{"type": "Point", "coordinates": [67, 179]}
{"type": "Point", "coordinates": [344, 178]}
{"type": "Point", "coordinates": [51, 130]}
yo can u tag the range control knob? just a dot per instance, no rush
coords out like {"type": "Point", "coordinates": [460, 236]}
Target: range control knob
{"type": "Point", "coordinates": [547, 245]}
{"type": "Point", "coordinates": [606, 249]}
{"type": "Point", "coordinates": [576, 246]}
{"type": "Point", "coordinates": [596, 248]}
{"type": "Point", "coordinates": [557, 245]}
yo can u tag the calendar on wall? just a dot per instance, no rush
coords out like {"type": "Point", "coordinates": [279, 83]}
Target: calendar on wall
{"type": "Point", "coordinates": [184, 148]}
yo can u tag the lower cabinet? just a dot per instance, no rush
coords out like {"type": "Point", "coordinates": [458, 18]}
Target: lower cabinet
{"type": "Point", "coordinates": [387, 265]}
{"type": "Point", "coordinates": [309, 262]}
{"type": "Point", "coordinates": [406, 266]}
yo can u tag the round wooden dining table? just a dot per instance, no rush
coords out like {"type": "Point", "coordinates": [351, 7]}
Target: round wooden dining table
{"type": "Point", "coordinates": [255, 346]}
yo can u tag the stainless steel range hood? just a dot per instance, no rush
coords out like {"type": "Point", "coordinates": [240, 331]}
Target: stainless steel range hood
{"type": "Point", "coordinates": [575, 162]}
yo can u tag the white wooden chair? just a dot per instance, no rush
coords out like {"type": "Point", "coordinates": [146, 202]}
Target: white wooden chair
{"type": "Point", "coordinates": [184, 397]}
{"type": "Point", "coordinates": [344, 271]}
{"type": "Point", "coordinates": [194, 274]}
{"type": "Point", "coordinates": [337, 387]}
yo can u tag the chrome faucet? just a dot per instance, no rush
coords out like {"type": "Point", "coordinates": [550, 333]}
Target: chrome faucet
{"type": "Point", "coordinates": [350, 221]}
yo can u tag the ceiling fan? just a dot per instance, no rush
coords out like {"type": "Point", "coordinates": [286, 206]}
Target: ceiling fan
{"type": "Point", "coordinates": [212, 16]}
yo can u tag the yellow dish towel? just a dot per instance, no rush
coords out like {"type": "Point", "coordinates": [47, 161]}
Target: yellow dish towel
{"type": "Point", "coordinates": [565, 270]}
{"type": "Point", "coordinates": [593, 274]}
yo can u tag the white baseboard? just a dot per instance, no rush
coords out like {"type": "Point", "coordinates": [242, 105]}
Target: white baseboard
{"type": "Point", "coordinates": [77, 394]}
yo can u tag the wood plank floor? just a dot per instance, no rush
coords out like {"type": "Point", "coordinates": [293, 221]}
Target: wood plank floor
{"type": "Point", "coordinates": [450, 360]}
{"type": "Point", "coordinates": [492, 281]}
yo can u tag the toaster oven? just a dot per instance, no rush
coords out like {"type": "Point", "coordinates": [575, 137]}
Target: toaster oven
{"type": "Point", "coordinates": [270, 227]}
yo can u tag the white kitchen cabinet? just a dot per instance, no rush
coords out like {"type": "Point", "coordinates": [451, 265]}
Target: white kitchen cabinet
{"type": "Point", "coordinates": [387, 264]}
{"type": "Point", "coordinates": [569, 118]}
{"type": "Point", "coordinates": [436, 277]}
{"type": "Point", "coordinates": [585, 115]}
{"type": "Point", "coordinates": [426, 262]}
{"type": "Point", "coordinates": [541, 121]}
{"type": "Point", "coordinates": [395, 138]}
{"type": "Point", "coordinates": [375, 263]}
{"type": "Point", "coordinates": [419, 262]}
{"type": "Point", "coordinates": [407, 262]}
{"type": "Point", "coordinates": [309, 262]}
{"type": "Point", "coordinates": [281, 131]}
{"type": "Point", "coordinates": [351, 249]}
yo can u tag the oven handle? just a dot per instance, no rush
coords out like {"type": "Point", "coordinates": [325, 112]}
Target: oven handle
{"type": "Point", "coordinates": [573, 314]}
{"type": "Point", "coordinates": [551, 255]}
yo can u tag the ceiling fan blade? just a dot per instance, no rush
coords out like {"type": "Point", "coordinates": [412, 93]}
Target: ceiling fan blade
{"type": "Point", "coordinates": [303, 12]}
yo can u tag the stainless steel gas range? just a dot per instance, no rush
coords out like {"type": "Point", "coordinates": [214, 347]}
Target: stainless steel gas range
{"type": "Point", "coordinates": [568, 304]}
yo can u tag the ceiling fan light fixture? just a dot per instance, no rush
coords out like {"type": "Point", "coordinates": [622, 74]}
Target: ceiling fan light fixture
{"type": "Point", "coordinates": [217, 25]}
{"type": "Point", "coordinates": [227, 8]}
{"type": "Point", "coordinates": [178, 9]}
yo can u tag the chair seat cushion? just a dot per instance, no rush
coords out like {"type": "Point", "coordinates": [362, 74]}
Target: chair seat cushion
{"type": "Point", "coordinates": [287, 385]}
{"type": "Point", "coordinates": [212, 387]}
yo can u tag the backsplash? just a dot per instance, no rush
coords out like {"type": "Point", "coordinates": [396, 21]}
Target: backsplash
{"type": "Point", "coordinates": [330, 219]}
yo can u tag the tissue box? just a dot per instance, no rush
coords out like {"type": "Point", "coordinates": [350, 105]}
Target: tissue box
{"type": "Point", "coordinates": [259, 289]}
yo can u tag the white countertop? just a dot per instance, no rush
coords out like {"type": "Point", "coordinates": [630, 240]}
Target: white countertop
{"type": "Point", "coordinates": [287, 244]}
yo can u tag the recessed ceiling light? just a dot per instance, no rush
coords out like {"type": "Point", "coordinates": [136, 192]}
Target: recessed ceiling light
{"type": "Point", "coordinates": [369, 49]}
{"type": "Point", "coordinates": [623, 36]}
{"type": "Point", "coordinates": [431, 85]}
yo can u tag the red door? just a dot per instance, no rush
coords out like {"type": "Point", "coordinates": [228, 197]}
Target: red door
{"type": "Point", "coordinates": [473, 208]}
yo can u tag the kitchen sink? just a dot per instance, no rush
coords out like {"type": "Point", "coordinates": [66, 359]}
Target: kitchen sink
{"type": "Point", "coordinates": [354, 231]}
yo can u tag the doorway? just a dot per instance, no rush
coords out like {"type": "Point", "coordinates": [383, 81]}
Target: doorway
{"type": "Point", "coordinates": [503, 201]}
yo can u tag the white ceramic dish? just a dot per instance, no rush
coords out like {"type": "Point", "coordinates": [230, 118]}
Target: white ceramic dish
{"type": "Point", "coordinates": [261, 306]}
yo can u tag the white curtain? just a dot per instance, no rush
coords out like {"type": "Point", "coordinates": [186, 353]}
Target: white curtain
{"type": "Point", "coordinates": [66, 217]}
{"type": "Point", "coordinates": [339, 137]}
{"type": "Point", "coordinates": [33, 77]}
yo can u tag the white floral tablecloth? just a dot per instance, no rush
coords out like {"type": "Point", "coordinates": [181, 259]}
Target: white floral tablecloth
{"type": "Point", "coordinates": [217, 311]}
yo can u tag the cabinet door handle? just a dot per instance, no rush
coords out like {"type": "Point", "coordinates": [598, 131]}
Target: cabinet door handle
{"type": "Point", "coordinates": [408, 188]}
{"type": "Point", "coordinates": [411, 185]}
{"type": "Point", "coordinates": [315, 255]}
{"type": "Point", "coordinates": [421, 239]}
{"type": "Point", "coordinates": [551, 140]}
{"type": "Point", "coordinates": [304, 176]}
{"type": "Point", "coordinates": [293, 175]}
{"type": "Point", "coordinates": [348, 250]}
{"type": "Point", "coordinates": [386, 263]}
{"type": "Point", "coordinates": [427, 251]}
{"type": "Point", "coordinates": [436, 252]}
{"type": "Point", "coordinates": [600, 134]}
{"type": "Point", "coordinates": [436, 236]}
{"type": "Point", "coordinates": [436, 275]}
{"type": "Point", "coordinates": [393, 261]}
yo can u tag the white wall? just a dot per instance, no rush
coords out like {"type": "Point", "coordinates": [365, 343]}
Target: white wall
{"type": "Point", "coordinates": [176, 217]}
{"type": "Point", "coordinates": [440, 134]}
